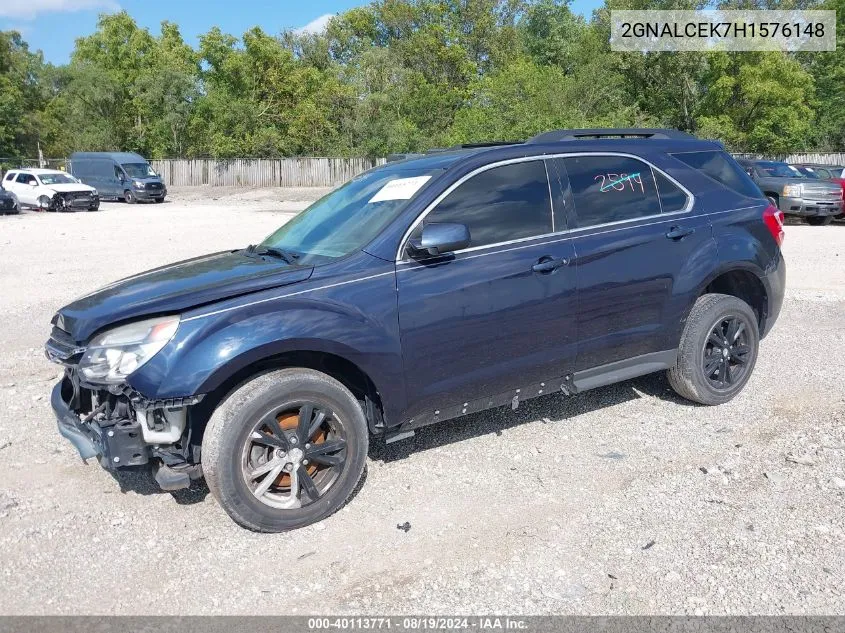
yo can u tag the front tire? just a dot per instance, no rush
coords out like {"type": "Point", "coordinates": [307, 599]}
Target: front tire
{"type": "Point", "coordinates": [129, 197]}
{"type": "Point", "coordinates": [819, 221]}
{"type": "Point", "coordinates": [285, 450]}
{"type": "Point", "coordinates": [718, 350]}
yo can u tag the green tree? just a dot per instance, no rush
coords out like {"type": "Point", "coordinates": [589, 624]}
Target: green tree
{"type": "Point", "coordinates": [757, 102]}
{"type": "Point", "coordinates": [21, 96]}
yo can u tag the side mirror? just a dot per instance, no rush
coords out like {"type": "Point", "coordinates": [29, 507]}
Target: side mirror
{"type": "Point", "coordinates": [439, 239]}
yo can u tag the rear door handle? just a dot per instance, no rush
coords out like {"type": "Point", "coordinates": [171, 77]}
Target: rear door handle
{"type": "Point", "coordinates": [677, 232]}
{"type": "Point", "coordinates": [549, 264]}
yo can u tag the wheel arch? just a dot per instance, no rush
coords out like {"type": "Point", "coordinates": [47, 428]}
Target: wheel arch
{"type": "Point", "coordinates": [315, 356]}
{"type": "Point", "coordinates": [744, 282]}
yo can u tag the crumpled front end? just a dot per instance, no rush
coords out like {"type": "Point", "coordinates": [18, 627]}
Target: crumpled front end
{"type": "Point", "coordinates": [119, 426]}
{"type": "Point", "coordinates": [73, 201]}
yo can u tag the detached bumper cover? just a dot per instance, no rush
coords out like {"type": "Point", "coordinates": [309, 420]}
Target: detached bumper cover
{"type": "Point", "coordinates": [116, 445]}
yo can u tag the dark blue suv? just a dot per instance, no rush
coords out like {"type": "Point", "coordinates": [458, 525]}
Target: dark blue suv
{"type": "Point", "coordinates": [424, 290]}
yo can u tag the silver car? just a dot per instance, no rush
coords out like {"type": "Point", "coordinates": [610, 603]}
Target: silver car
{"type": "Point", "coordinates": [794, 193]}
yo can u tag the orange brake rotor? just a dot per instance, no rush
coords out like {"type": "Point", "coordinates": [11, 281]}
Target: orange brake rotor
{"type": "Point", "coordinates": [288, 422]}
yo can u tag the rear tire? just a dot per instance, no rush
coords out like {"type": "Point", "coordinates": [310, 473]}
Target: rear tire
{"type": "Point", "coordinates": [819, 221]}
{"type": "Point", "coordinates": [235, 447]}
{"type": "Point", "coordinates": [129, 197]}
{"type": "Point", "coordinates": [711, 369]}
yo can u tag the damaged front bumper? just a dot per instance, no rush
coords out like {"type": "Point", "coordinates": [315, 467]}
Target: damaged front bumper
{"type": "Point", "coordinates": [121, 429]}
{"type": "Point", "coordinates": [71, 201]}
{"type": "Point", "coordinates": [117, 443]}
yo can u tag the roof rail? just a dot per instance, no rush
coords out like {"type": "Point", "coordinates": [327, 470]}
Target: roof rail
{"type": "Point", "coordinates": [481, 145]}
{"type": "Point", "coordinates": [391, 158]}
{"type": "Point", "coordinates": [623, 132]}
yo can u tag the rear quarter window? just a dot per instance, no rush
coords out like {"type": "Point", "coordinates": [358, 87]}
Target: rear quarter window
{"type": "Point", "coordinates": [723, 169]}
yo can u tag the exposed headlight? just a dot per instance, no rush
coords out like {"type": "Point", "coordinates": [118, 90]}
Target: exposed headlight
{"type": "Point", "coordinates": [793, 191]}
{"type": "Point", "coordinates": [137, 184]}
{"type": "Point", "coordinates": [116, 353]}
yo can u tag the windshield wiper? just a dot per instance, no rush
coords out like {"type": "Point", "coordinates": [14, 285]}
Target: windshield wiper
{"type": "Point", "coordinates": [289, 257]}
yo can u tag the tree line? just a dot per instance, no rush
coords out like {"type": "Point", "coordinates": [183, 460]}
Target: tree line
{"type": "Point", "coordinates": [407, 75]}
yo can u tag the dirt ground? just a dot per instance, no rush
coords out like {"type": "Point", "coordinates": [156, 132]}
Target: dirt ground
{"type": "Point", "coordinates": [623, 500]}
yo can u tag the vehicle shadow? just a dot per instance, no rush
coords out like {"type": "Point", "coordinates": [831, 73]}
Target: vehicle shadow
{"type": "Point", "coordinates": [139, 479]}
{"type": "Point", "coordinates": [551, 409]}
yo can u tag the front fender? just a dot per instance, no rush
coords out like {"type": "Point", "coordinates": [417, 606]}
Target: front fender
{"type": "Point", "coordinates": [209, 350]}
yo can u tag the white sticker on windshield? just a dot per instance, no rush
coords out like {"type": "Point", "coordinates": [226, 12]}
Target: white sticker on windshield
{"type": "Point", "coordinates": [400, 189]}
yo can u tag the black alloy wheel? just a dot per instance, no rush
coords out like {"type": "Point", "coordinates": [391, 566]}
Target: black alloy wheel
{"type": "Point", "coordinates": [727, 353]}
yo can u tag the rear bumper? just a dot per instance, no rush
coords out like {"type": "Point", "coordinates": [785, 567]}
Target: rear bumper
{"type": "Point", "coordinates": [810, 208]}
{"type": "Point", "coordinates": [775, 282]}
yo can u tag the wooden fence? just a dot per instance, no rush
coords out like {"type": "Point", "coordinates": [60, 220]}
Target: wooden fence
{"type": "Point", "coordinates": [263, 172]}
{"type": "Point", "coordinates": [830, 158]}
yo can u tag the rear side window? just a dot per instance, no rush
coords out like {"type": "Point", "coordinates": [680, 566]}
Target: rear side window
{"type": "Point", "coordinates": [501, 204]}
{"type": "Point", "coordinates": [10, 175]}
{"type": "Point", "coordinates": [611, 189]}
{"type": "Point", "coordinates": [672, 197]}
{"type": "Point", "coordinates": [26, 178]}
{"type": "Point", "coordinates": [723, 169]}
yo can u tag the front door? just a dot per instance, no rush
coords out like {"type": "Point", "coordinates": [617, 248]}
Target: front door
{"type": "Point", "coordinates": [635, 238]}
{"type": "Point", "coordinates": [499, 315]}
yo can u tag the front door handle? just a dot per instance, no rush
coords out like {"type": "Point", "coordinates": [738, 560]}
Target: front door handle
{"type": "Point", "coordinates": [549, 264]}
{"type": "Point", "coordinates": [677, 232]}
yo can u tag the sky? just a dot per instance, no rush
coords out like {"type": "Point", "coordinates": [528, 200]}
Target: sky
{"type": "Point", "coordinates": [52, 26]}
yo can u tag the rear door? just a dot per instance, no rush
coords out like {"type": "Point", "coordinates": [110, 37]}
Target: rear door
{"type": "Point", "coordinates": [634, 237]}
{"type": "Point", "coordinates": [486, 321]}
{"type": "Point", "coordinates": [25, 186]}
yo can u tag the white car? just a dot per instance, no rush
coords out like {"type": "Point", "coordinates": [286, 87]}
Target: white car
{"type": "Point", "coordinates": [50, 190]}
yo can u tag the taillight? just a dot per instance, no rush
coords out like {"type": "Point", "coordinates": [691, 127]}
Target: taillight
{"type": "Point", "coordinates": [773, 218]}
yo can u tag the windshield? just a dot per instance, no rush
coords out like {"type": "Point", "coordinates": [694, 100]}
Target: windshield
{"type": "Point", "coordinates": [57, 179]}
{"type": "Point", "coordinates": [138, 170]}
{"type": "Point", "coordinates": [349, 217]}
{"type": "Point", "coordinates": [780, 170]}
{"type": "Point", "coordinates": [808, 172]}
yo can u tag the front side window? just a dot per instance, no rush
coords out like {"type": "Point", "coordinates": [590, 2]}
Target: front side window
{"type": "Point", "coordinates": [501, 204]}
{"type": "Point", "coordinates": [350, 217]}
{"type": "Point", "coordinates": [611, 189]}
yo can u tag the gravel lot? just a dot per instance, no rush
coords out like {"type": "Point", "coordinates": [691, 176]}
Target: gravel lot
{"type": "Point", "coordinates": [624, 500]}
